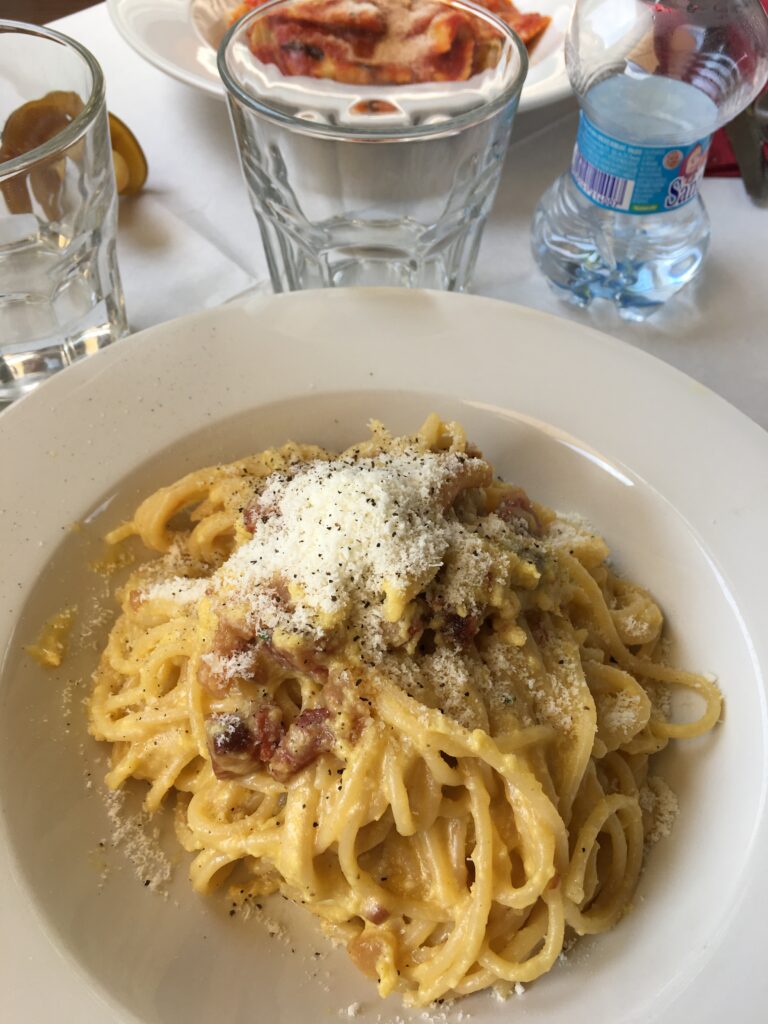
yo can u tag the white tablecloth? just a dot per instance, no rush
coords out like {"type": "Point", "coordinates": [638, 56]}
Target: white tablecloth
{"type": "Point", "coordinates": [190, 240]}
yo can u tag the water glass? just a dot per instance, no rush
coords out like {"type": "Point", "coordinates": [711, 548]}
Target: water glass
{"type": "Point", "coordinates": [60, 292]}
{"type": "Point", "coordinates": [371, 148]}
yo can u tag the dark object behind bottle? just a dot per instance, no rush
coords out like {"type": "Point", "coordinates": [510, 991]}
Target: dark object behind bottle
{"type": "Point", "coordinates": [741, 149]}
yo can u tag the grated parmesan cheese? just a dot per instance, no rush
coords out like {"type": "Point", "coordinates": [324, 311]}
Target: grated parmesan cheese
{"type": "Point", "coordinates": [180, 590]}
{"type": "Point", "coordinates": [239, 663]}
{"type": "Point", "coordinates": [251, 908]}
{"type": "Point", "coordinates": [339, 532]}
{"type": "Point", "coordinates": [332, 540]}
{"type": "Point", "coordinates": [659, 802]}
{"type": "Point", "coordinates": [619, 711]}
{"type": "Point", "coordinates": [139, 842]}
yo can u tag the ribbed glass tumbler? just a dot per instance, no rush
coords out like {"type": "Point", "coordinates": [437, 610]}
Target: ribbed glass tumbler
{"type": "Point", "coordinates": [372, 159]}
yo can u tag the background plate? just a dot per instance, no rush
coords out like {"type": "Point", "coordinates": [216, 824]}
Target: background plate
{"type": "Point", "coordinates": [178, 37]}
{"type": "Point", "coordinates": [673, 476]}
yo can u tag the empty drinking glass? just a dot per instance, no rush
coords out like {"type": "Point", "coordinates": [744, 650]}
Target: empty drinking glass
{"type": "Point", "coordinates": [372, 138]}
{"type": "Point", "coordinates": [60, 293]}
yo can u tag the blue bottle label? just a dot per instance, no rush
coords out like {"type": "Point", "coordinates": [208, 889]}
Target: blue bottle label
{"type": "Point", "coordinates": [636, 179]}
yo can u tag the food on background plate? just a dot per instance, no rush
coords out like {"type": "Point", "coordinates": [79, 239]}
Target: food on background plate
{"type": "Point", "coordinates": [399, 692]}
{"type": "Point", "coordinates": [383, 42]}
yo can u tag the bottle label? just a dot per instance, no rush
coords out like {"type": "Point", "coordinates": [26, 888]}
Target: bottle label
{"type": "Point", "coordinates": [636, 179]}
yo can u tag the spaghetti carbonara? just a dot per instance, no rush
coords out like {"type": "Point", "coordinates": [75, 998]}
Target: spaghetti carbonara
{"type": "Point", "coordinates": [402, 694]}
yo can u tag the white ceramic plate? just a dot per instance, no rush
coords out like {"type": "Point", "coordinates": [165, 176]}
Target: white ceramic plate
{"type": "Point", "coordinates": [674, 477]}
{"type": "Point", "coordinates": [180, 37]}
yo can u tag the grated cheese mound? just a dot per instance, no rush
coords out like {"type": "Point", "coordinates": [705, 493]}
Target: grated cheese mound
{"type": "Point", "coordinates": [340, 534]}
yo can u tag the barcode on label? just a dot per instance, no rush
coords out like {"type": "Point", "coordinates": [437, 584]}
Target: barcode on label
{"type": "Point", "coordinates": [606, 189]}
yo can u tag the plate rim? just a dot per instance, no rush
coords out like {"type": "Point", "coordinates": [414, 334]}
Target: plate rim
{"type": "Point", "coordinates": [157, 59]}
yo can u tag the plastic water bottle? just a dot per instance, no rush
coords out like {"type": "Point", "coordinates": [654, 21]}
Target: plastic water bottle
{"type": "Point", "coordinates": [654, 81]}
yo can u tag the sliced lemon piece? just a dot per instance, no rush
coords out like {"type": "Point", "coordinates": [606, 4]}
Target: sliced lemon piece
{"type": "Point", "coordinates": [36, 122]}
{"type": "Point", "coordinates": [128, 157]}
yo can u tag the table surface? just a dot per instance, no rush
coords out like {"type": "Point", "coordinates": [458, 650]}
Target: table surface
{"type": "Point", "coordinates": [190, 241]}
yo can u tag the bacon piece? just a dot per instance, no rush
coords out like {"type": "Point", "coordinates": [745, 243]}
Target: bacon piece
{"type": "Point", "coordinates": [460, 630]}
{"type": "Point", "coordinates": [374, 912]}
{"type": "Point", "coordinates": [307, 737]}
{"type": "Point", "coordinates": [230, 639]}
{"type": "Point", "coordinates": [516, 509]}
{"type": "Point", "coordinates": [299, 659]}
{"type": "Point", "coordinates": [267, 725]}
{"type": "Point", "coordinates": [240, 744]}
